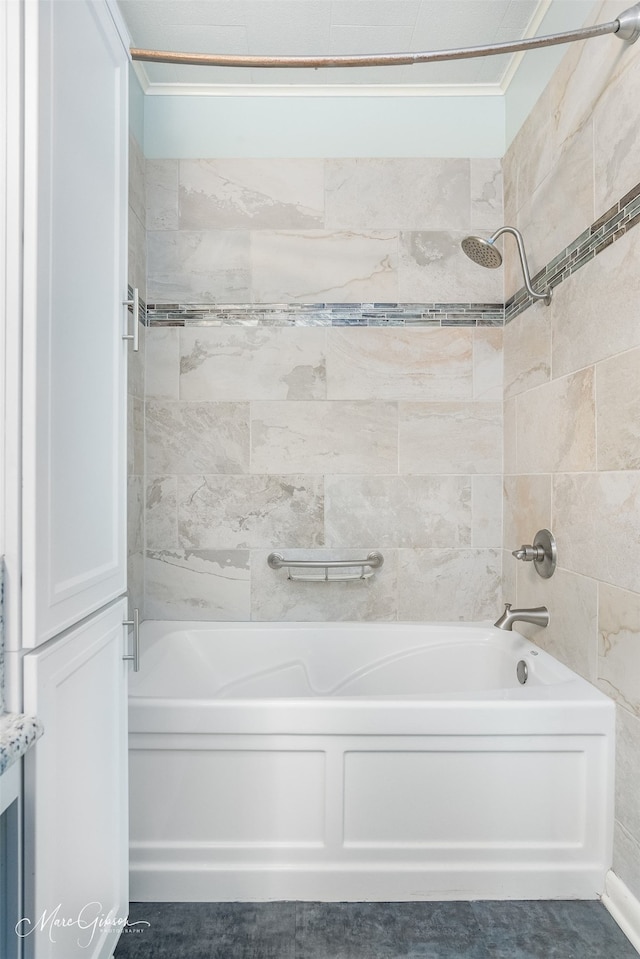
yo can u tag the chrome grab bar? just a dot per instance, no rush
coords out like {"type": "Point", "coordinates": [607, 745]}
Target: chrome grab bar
{"type": "Point", "coordinates": [134, 303]}
{"type": "Point", "coordinates": [372, 562]}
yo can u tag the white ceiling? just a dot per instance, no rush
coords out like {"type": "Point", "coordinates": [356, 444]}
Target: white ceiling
{"type": "Point", "coordinates": [298, 27]}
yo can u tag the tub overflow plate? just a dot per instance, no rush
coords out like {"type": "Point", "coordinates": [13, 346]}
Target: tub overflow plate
{"type": "Point", "coordinates": [522, 672]}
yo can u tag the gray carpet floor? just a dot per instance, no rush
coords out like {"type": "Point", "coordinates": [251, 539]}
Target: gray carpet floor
{"type": "Point", "coordinates": [373, 930]}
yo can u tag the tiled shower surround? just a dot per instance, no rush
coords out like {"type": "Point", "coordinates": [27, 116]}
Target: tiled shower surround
{"type": "Point", "coordinates": [315, 438]}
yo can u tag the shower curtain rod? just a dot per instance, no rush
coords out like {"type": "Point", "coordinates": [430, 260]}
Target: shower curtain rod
{"type": "Point", "coordinates": [626, 27]}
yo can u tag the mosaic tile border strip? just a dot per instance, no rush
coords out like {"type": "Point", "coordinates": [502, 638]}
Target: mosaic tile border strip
{"type": "Point", "coordinates": [326, 314]}
{"type": "Point", "coordinates": [608, 228]}
{"type": "Point", "coordinates": [622, 217]}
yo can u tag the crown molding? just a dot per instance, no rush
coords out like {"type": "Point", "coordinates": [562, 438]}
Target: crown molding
{"type": "Point", "coordinates": [316, 90]}
{"type": "Point", "coordinates": [534, 25]}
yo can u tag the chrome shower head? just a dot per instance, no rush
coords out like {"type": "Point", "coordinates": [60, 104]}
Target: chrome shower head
{"type": "Point", "coordinates": [485, 253]}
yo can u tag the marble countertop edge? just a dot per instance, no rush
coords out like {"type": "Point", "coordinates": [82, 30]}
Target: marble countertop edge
{"type": "Point", "coordinates": [18, 732]}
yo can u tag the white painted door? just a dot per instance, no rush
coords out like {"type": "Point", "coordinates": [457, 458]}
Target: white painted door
{"type": "Point", "coordinates": [74, 376]}
{"type": "Point", "coordinates": [76, 829]}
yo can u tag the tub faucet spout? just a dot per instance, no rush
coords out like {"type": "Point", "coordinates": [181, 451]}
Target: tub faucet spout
{"type": "Point", "coordinates": [538, 615]}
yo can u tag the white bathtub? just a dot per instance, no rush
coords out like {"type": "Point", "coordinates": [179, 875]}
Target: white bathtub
{"type": "Point", "coordinates": [364, 762]}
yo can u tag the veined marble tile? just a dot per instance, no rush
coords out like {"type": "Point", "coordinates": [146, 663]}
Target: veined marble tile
{"type": "Point", "coordinates": [136, 178]}
{"type": "Point", "coordinates": [433, 268]}
{"type": "Point", "coordinates": [628, 770]}
{"type": "Point", "coordinates": [487, 364]}
{"type": "Point", "coordinates": [242, 193]}
{"type": "Point", "coordinates": [223, 363]}
{"type": "Point", "coordinates": [556, 425]}
{"type": "Point", "coordinates": [398, 510]}
{"type": "Point", "coordinates": [198, 267]}
{"type": "Point", "coordinates": [135, 514]}
{"type": "Point", "coordinates": [448, 585]}
{"type": "Point", "coordinates": [561, 207]}
{"type": "Point", "coordinates": [386, 194]}
{"type": "Point", "coordinates": [486, 511]}
{"type": "Point", "coordinates": [197, 584]}
{"type": "Point", "coordinates": [320, 267]}
{"type": "Point", "coordinates": [238, 512]}
{"type": "Point", "coordinates": [135, 583]}
{"type": "Point", "coordinates": [527, 508]}
{"type": "Point", "coordinates": [510, 434]}
{"type": "Point", "coordinates": [450, 437]}
{"type": "Point", "coordinates": [595, 311]}
{"type": "Point", "coordinates": [527, 350]}
{"type": "Point", "coordinates": [162, 512]}
{"type": "Point", "coordinates": [274, 598]}
{"type": "Point", "coordinates": [572, 601]}
{"type": "Point", "coordinates": [626, 858]}
{"type": "Point", "coordinates": [596, 519]}
{"type": "Point", "coordinates": [137, 253]}
{"type": "Point", "coordinates": [197, 437]}
{"type": "Point", "coordinates": [486, 194]}
{"type": "Point", "coordinates": [135, 436]}
{"type": "Point", "coordinates": [617, 138]}
{"type": "Point", "coordinates": [424, 364]}
{"type": "Point", "coordinates": [324, 437]}
{"type": "Point", "coordinates": [163, 363]}
{"type": "Point", "coordinates": [619, 646]}
{"type": "Point", "coordinates": [618, 412]}
{"type": "Point", "coordinates": [162, 194]}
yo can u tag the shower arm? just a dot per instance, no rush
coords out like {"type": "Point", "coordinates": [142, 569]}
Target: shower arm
{"type": "Point", "coordinates": [625, 27]}
{"type": "Point", "coordinates": [523, 261]}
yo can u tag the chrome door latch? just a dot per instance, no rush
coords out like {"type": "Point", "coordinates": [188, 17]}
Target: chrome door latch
{"type": "Point", "coordinates": [134, 303]}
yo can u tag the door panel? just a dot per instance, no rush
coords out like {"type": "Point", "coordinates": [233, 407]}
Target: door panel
{"type": "Point", "coordinates": [74, 455]}
{"type": "Point", "coordinates": [76, 788]}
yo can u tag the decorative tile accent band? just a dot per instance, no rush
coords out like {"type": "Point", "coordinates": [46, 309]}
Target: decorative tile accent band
{"type": "Point", "coordinates": [326, 314]}
{"type": "Point", "coordinates": [606, 230]}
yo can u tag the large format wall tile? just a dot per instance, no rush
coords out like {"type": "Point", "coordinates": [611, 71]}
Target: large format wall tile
{"type": "Point", "coordinates": [527, 508]}
{"type": "Point", "coordinates": [318, 266]}
{"type": "Point", "coordinates": [487, 365]}
{"type": "Point", "coordinates": [162, 512]}
{"type": "Point", "coordinates": [383, 194]}
{"type": "Point", "coordinates": [324, 437]}
{"type": "Point", "coordinates": [433, 268]}
{"type": "Point", "coordinates": [245, 193]}
{"type": "Point", "coordinates": [486, 511]}
{"type": "Point", "coordinates": [486, 195]}
{"type": "Point", "coordinates": [619, 646]}
{"type": "Point", "coordinates": [527, 350]}
{"type": "Point", "coordinates": [626, 858]}
{"type": "Point", "coordinates": [572, 601]}
{"type": "Point", "coordinates": [426, 364]}
{"type": "Point", "coordinates": [197, 437]}
{"type": "Point", "coordinates": [236, 512]}
{"type": "Point", "coordinates": [163, 367]}
{"type": "Point", "coordinates": [449, 584]}
{"type": "Point", "coordinates": [617, 138]}
{"type": "Point", "coordinates": [398, 510]}
{"type": "Point", "coordinates": [597, 521]}
{"type": "Point", "coordinates": [618, 412]}
{"type": "Point", "coordinates": [162, 194]}
{"type": "Point", "coordinates": [223, 363]}
{"type": "Point", "coordinates": [277, 599]}
{"type": "Point", "coordinates": [628, 770]}
{"type": "Point", "coordinates": [595, 311]}
{"type": "Point", "coordinates": [198, 267]}
{"type": "Point", "coordinates": [557, 427]}
{"type": "Point", "coordinates": [201, 585]}
{"type": "Point", "coordinates": [450, 437]}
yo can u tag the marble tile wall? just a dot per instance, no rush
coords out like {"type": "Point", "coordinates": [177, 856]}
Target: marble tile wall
{"type": "Point", "coordinates": [323, 443]}
{"type": "Point", "coordinates": [572, 394]}
{"type": "Point", "coordinates": [331, 435]}
{"type": "Point", "coordinates": [135, 385]}
{"type": "Point", "coordinates": [325, 230]}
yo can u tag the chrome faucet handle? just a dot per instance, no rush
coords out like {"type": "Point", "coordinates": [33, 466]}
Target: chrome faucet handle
{"type": "Point", "coordinates": [543, 553]}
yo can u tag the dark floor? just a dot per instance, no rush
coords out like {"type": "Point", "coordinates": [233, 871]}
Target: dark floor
{"type": "Point", "coordinates": [373, 930]}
